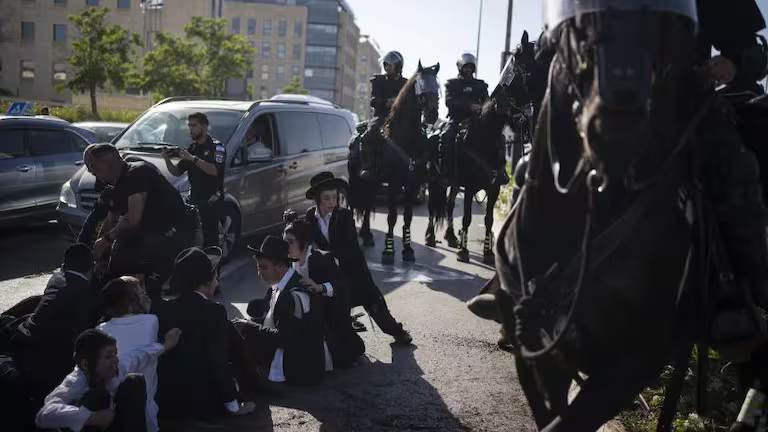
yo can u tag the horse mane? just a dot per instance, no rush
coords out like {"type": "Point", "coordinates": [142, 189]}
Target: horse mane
{"type": "Point", "coordinates": [404, 106]}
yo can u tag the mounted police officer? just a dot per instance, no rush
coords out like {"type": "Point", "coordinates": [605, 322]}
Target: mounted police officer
{"type": "Point", "coordinates": [204, 163]}
{"type": "Point", "coordinates": [384, 91]}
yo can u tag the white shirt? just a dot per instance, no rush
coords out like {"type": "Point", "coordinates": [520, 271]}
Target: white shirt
{"type": "Point", "coordinates": [276, 373]}
{"type": "Point", "coordinates": [59, 410]}
{"type": "Point", "coordinates": [323, 221]}
{"type": "Point", "coordinates": [303, 269]}
{"type": "Point", "coordinates": [133, 332]}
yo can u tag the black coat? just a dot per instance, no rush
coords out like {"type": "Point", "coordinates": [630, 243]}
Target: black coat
{"type": "Point", "coordinates": [300, 335]}
{"type": "Point", "coordinates": [383, 89]}
{"type": "Point", "coordinates": [195, 378]}
{"type": "Point", "coordinates": [345, 344]}
{"type": "Point", "coordinates": [461, 93]}
{"type": "Point", "coordinates": [43, 342]}
{"type": "Point", "coordinates": [344, 245]}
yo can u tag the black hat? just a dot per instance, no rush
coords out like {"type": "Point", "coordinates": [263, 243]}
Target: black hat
{"type": "Point", "coordinates": [78, 257]}
{"type": "Point", "coordinates": [324, 181]}
{"type": "Point", "coordinates": [214, 253]}
{"type": "Point", "coordinates": [192, 268]}
{"type": "Point", "coordinates": [272, 247]}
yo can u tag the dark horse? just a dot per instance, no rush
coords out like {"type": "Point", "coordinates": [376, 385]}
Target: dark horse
{"type": "Point", "coordinates": [403, 152]}
{"type": "Point", "coordinates": [362, 193]}
{"type": "Point", "coordinates": [612, 155]}
{"type": "Point", "coordinates": [472, 163]}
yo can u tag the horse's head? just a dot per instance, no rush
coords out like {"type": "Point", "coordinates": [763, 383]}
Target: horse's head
{"type": "Point", "coordinates": [427, 89]}
{"type": "Point", "coordinates": [418, 100]}
{"type": "Point", "coordinates": [619, 70]}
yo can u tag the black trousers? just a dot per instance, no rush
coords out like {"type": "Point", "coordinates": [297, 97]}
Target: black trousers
{"type": "Point", "coordinates": [209, 221]}
{"type": "Point", "coordinates": [130, 405]}
{"type": "Point", "coordinates": [260, 341]}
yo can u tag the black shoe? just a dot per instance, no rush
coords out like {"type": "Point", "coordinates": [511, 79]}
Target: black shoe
{"type": "Point", "coordinates": [403, 337]}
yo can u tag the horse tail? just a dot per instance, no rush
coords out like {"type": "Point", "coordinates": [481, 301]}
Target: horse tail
{"type": "Point", "coordinates": [362, 193]}
{"type": "Point", "coordinates": [437, 202]}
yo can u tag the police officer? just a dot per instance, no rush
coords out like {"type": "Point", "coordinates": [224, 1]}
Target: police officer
{"type": "Point", "coordinates": [204, 163]}
{"type": "Point", "coordinates": [384, 91]}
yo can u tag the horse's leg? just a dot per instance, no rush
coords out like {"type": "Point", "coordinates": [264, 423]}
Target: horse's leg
{"type": "Point", "coordinates": [463, 253]}
{"type": "Point", "coordinates": [450, 235]}
{"type": "Point", "coordinates": [545, 386]}
{"type": "Point", "coordinates": [365, 230]}
{"type": "Point", "coordinates": [436, 204]}
{"type": "Point", "coordinates": [490, 206]}
{"type": "Point", "coordinates": [388, 256]}
{"type": "Point", "coordinates": [410, 194]}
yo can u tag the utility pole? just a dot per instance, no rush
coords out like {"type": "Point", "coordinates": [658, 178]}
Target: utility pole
{"type": "Point", "coordinates": [505, 55]}
{"type": "Point", "coordinates": [479, 26]}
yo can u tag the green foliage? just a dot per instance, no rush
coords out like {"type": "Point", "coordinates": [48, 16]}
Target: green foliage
{"type": "Point", "coordinates": [198, 64]}
{"type": "Point", "coordinates": [295, 87]}
{"type": "Point", "coordinates": [101, 56]}
{"type": "Point", "coordinates": [5, 92]}
{"type": "Point", "coordinates": [76, 113]}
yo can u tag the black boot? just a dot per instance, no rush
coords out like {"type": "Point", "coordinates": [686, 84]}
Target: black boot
{"type": "Point", "coordinates": [429, 238]}
{"type": "Point", "coordinates": [450, 237]}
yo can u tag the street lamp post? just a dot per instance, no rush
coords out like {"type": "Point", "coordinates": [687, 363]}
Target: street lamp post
{"type": "Point", "coordinates": [479, 26]}
{"type": "Point", "coordinates": [505, 55]}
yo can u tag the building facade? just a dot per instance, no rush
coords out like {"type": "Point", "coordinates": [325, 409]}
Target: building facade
{"type": "Point", "coordinates": [313, 40]}
{"type": "Point", "coordinates": [368, 55]}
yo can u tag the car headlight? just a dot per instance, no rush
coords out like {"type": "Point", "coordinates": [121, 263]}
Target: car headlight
{"type": "Point", "coordinates": [67, 196]}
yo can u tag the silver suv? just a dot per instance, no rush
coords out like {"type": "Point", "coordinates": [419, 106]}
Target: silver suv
{"type": "Point", "coordinates": [273, 146]}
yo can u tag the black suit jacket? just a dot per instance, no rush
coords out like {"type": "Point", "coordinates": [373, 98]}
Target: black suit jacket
{"type": "Point", "coordinates": [195, 378]}
{"type": "Point", "coordinates": [343, 244]}
{"type": "Point", "coordinates": [299, 334]}
{"type": "Point", "coordinates": [43, 341]}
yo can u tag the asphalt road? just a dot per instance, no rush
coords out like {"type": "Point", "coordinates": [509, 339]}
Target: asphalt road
{"type": "Point", "coordinates": [454, 378]}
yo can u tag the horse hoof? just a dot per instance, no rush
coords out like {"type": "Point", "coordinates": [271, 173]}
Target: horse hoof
{"type": "Point", "coordinates": [489, 258]}
{"type": "Point", "coordinates": [462, 256]}
{"type": "Point", "coordinates": [408, 255]}
{"type": "Point", "coordinates": [452, 241]}
{"type": "Point", "coordinates": [368, 241]}
{"type": "Point", "coordinates": [430, 240]}
{"type": "Point", "coordinates": [484, 306]}
{"type": "Point", "coordinates": [388, 258]}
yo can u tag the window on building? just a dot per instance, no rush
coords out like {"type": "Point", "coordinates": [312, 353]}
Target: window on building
{"type": "Point", "coordinates": [62, 2]}
{"type": "Point", "coordinates": [364, 60]}
{"type": "Point", "coordinates": [282, 28]}
{"type": "Point", "coordinates": [235, 25]}
{"type": "Point", "coordinates": [362, 77]}
{"type": "Point", "coordinates": [123, 4]}
{"type": "Point", "coordinates": [266, 50]}
{"type": "Point", "coordinates": [264, 72]}
{"type": "Point", "coordinates": [280, 73]}
{"type": "Point", "coordinates": [298, 29]}
{"type": "Point", "coordinates": [297, 51]}
{"type": "Point", "coordinates": [92, 2]}
{"type": "Point", "coordinates": [321, 55]}
{"type": "Point", "coordinates": [251, 26]}
{"type": "Point", "coordinates": [295, 72]}
{"type": "Point", "coordinates": [27, 70]}
{"type": "Point", "coordinates": [280, 50]}
{"type": "Point", "coordinates": [267, 28]}
{"type": "Point", "coordinates": [59, 32]}
{"type": "Point", "coordinates": [59, 72]}
{"type": "Point", "coordinates": [27, 31]}
{"type": "Point", "coordinates": [323, 28]}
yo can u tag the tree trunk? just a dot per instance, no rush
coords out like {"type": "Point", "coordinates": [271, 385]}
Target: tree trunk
{"type": "Point", "coordinates": [94, 109]}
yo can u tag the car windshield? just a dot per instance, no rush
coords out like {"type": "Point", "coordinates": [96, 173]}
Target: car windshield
{"type": "Point", "coordinates": [167, 126]}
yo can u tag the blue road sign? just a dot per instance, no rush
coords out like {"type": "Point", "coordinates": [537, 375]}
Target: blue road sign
{"type": "Point", "coordinates": [20, 108]}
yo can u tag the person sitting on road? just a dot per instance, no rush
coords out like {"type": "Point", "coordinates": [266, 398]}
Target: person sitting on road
{"type": "Point", "coordinates": [103, 392]}
{"type": "Point", "coordinates": [126, 305]}
{"type": "Point", "coordinates": [322, 276]}
{"type": "Point", "coordinates": [287, 332]}
{"type": "Point", "coordinates": [334, 230]}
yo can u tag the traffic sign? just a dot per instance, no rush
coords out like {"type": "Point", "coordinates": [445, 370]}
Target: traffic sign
{"type": "Point", "coordinates": [20, 109]}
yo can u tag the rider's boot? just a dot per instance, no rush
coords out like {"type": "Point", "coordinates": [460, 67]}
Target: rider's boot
{"type": "Point", "coordinates": [450, 236]}
{"type": "Point", "coordinates": [462, 254]}
{"type": "Point", "coordinates": [488, 256]}
{"type": "Point", "coordinates": [429, 238]}
{"type": "Point", "coordinates": [408, 254]}
{"type": "Point", "coordinates": [366, 157]}
{"type": "Point", "coordinates": [388, 256]}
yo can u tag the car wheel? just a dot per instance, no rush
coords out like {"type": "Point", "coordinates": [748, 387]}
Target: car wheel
{"type": "Point", "coordinates": [229, 232]}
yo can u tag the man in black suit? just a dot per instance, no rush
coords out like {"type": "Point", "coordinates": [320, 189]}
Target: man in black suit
{"type": "Point", "coordinates": [41, 343]}
{"type": "Point", "coordinates": [287, 335]}
{"type": "Point", "coordinates": [195, 379]}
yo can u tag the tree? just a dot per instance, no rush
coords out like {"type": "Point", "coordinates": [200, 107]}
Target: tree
{"type": "Point", "coordinates": [198, 64]}
{"type": "Point", "coordinates": [102, 54]}
{"type": "Point", "coordinates": [295, 87]}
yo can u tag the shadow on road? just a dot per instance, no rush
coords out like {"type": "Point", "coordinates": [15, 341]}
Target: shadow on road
{"type": "Point", "coordinates": [26, 251]}
{"type": "Point", "coordinates": [260, 420]}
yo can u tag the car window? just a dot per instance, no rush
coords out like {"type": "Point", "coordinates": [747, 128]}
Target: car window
{"type": "Point", "coordinates": [47, 142]}
{"type": "Point", "coordinates": [78, 143]}
{"type": "Point", "coordinates": [336, 132]}
{"type": "Point", "coordinates": [299, 132]}
{"type": "Point", "coordinates": [258, 142]}
{"type": "Point", "coordinates": [168, 125]}
{"type": "Point", "coordinates": [12, 144]}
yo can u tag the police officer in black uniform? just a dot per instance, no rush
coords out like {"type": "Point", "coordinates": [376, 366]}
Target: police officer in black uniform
{"type": "Point", "coordinates": [204, 163]}
{"type": "Point", "coordinates": [384, 91]}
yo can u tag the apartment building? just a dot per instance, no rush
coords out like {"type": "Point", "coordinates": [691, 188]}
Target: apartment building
{"type": "Point", "coordinates": [368, 55]}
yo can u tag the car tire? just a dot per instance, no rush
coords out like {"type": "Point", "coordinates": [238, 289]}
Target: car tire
{"type": "Point", "coordinates": [229, 220]}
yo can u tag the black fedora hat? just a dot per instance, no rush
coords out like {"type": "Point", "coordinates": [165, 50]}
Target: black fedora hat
{"type": "Point", "coordinates": [192, 267]}
{"type": "Point", "coordinates": [324, 181]}
{"type": "Point", "coordinates": [272, 247]}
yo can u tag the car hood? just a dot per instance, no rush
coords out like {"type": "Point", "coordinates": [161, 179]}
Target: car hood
{"type": "Point", "coordinates": [84, 180]}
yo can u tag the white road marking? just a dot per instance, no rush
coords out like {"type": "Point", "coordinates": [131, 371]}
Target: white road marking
{"type": "Point", "coordinates": [417, 273]}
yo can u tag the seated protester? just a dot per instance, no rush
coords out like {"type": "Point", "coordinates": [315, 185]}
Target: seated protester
{"type": "Point", "coordinates": [196, 379]}
{"type": "Point", "coordinates": [287, 338]}
{"type": "Point", "coordinates": [334, 231]}
{"type": "Point", "coordinates": [103, 393]}
{"type": "Point", "coordinates": [41, 343]}
{"type": "Point", "coordinates": [126, 305]}
{"type": "Point", "coordinates": [321, 275]}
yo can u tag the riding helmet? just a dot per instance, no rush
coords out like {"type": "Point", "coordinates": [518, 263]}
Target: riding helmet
{"type": "Point", "coordinates": [466, 59]}
{"type": "Point", "coordinates": [394, 58]}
